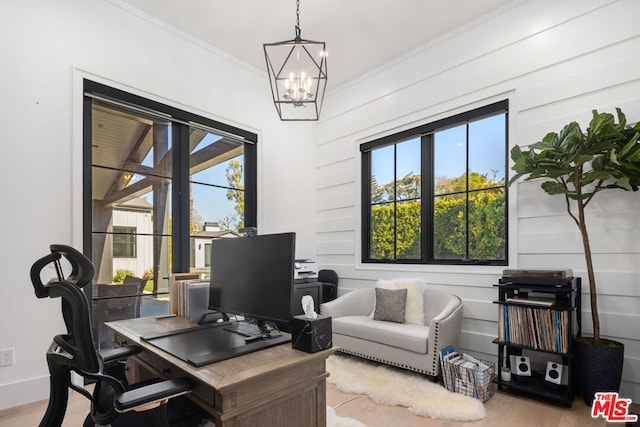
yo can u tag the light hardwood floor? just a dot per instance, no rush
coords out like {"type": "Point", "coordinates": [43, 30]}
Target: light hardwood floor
{"type": "Point", "coordinates": [502, 410]}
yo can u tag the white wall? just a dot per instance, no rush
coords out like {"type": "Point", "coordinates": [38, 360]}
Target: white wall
{"type": "Point", "coordinates": [47, 48]}
{"type": "Point", "coordinates": [555, 61]}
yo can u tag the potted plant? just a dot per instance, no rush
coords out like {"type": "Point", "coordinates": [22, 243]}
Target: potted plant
{"type": "Point", "coordinates": [579, 165]}
{"type": "Point", "coordinates": [505, 374]}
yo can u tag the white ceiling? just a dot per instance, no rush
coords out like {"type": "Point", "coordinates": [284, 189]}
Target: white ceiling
{"type": "Point", "coordinates": [360, 34]}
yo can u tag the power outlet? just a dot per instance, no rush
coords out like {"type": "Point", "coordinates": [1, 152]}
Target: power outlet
{"type": "Point", "coordinates": [6, 357]}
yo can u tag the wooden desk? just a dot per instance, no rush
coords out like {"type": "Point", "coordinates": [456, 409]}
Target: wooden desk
{"type": "Point", "coordinates": [275, 387]}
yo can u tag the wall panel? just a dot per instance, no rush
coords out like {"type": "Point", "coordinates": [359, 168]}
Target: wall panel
{"type": "Point", "coordinates": [335, 197]}
{"type": "Point", "coordinates": [554, 68]}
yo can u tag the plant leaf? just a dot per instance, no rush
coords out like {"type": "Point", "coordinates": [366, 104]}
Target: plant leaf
{"type": "Point", "coordinates": [554, 187]}
{"type": "Point", "coordinates": [622, 119]}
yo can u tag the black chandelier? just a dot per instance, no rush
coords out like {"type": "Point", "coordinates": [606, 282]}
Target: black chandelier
{"type": "Point", "coordinates": [298, 75]}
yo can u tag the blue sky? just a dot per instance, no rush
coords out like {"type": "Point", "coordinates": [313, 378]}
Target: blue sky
{"type": "Point", "coordinates": [211, 203]}
{"type": "Point", "coordinates": [486, 152]}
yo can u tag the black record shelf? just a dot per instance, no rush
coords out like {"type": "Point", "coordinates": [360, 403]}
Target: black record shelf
{"type": "Point", "coordinates": [538, 317]}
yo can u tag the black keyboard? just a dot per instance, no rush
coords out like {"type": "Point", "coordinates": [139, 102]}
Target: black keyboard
{"type": "Point", "coordinates": [245, 329]}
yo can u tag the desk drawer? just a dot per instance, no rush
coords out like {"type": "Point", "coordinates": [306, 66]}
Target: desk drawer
{"type": "Point", "coordinates": [166, 370]}
{"type": "Point", "coordinates": [157, 365]}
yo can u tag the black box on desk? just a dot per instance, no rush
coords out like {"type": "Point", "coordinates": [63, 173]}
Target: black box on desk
{"type": "Point", "coordinates": [311, 335]}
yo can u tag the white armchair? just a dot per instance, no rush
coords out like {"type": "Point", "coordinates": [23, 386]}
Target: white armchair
{"type": "Point", "coordinates": [411, 346]}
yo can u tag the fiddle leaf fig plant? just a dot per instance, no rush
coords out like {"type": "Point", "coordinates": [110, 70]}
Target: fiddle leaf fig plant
{"type": "Point", "coordinates": [579, 165]}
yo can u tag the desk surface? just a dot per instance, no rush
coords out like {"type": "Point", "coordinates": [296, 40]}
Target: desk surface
{"type": "Point", "coordinates": [228, 373]}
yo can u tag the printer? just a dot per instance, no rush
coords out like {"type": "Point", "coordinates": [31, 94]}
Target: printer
{"type": "Point", "coordinates": [305, 270]}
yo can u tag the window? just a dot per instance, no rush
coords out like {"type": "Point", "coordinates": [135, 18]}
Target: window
{"type": "Point", "coordinates": [207, 255]}
{"type": "Point", "coordinates": [166, 173]}
{"type": "Point", "coordinates": [159, 183]}
{"type": "Point", "coordinates": [437, 193]}
{"type": "Point", "coordinates": [124, 242]}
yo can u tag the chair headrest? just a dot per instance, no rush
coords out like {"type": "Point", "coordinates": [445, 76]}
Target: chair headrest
{"type": "Point", "coordinates": [79, 351]}
{"type": "Point", "coordinates": [81, 268]}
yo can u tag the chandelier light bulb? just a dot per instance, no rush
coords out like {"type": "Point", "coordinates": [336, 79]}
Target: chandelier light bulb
{"type": "Point", "coordinates": [298, 88]}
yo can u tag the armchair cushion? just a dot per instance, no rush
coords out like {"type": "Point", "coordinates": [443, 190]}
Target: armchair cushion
{"type": "Point", "coordinates": [390, 305]}
{"type": "Point", "coordinates": [406, 336]}
{"type": "Point", "coordinates": [414, 307]}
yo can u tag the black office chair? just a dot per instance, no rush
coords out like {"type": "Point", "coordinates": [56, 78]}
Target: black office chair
{"type": "Point", "coordinates": [113, 401]}
{"type": "Point", "coordinates": [329, 280]}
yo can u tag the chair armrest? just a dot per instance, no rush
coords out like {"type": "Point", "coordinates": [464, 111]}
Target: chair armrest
{"type": "Point", "coordinates": [355, 303]}
{"type": "Point", "coordinates": [445, 328]}
{"type": "Point", "coordinates": [152, 393]}
{"type": "Point", "coordinates": [119, 353]}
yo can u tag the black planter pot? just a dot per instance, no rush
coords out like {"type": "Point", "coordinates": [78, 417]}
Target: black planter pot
{"type": "Point", "coordinates": [598, 366]}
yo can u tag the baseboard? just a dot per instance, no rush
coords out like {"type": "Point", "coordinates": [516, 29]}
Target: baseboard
{"type": "Point", "coordinates": [24, 392]}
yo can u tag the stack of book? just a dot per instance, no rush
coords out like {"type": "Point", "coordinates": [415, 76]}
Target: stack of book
{"type": "Point", "coordinates": [185, 291]}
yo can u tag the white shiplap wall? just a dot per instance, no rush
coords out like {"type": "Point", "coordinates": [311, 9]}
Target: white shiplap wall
{"type": "Point", "coordinates": [555, 61]}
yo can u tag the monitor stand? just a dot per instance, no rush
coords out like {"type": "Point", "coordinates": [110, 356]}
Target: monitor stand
{"type": "Point", "coordinates": [253, 330]}
{"type": "Point", "coordinates": [266, 326]}
{"type": "Point", "coordinates": [213, 317]}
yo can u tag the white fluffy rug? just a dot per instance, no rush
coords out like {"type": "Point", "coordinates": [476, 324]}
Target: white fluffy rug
{"type": "Point", "coordinates": [391, 386]}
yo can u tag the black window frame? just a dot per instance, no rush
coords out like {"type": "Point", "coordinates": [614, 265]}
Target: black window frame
{"type": "Point", "coordinates": [425, 132]}
{"type": "Point", "coordinates": [180, 195]}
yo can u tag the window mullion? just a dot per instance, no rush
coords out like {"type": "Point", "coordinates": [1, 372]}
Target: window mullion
{"type": "Point", "coordinates": [395, 202]}
{"type": "Point", "coordinates": [426, 207]}
{"type": "Point", "coordinates": [466, 195]}
{"type": "Point", "coordinates": [180, 199]}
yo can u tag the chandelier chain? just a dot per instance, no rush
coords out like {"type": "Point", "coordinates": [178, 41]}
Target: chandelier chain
{"type": "Point", "coordinates": [298, 13]}
{"type": "Point", "coordinates": [297, 18]}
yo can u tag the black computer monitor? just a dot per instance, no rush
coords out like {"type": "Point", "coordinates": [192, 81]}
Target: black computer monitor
{"type": "Point", "coordinates": [253, 276]}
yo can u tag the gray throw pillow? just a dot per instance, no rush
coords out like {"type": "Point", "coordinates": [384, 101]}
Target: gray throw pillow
{"type": "Point", "coordinates": [390, 305]}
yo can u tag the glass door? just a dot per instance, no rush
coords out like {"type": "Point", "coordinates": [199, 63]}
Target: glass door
{"type": "Point", "coordinates": [131, 215]}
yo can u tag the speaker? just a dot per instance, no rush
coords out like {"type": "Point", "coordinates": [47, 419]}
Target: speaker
{"type": "Point", "coordinates": [554, 373]}
{"type": "Point", "coordinates": [523, 366]}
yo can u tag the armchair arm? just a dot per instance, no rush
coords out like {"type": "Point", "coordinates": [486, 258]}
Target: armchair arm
{"type": "Point", "coordinates": [152, 393]}
{"type": "Point", "coordinates": [119, 353]}
{"type": "Point", "coordinates": [444, 330]}
{"type": "Point", "coordinates": [355, 303]}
